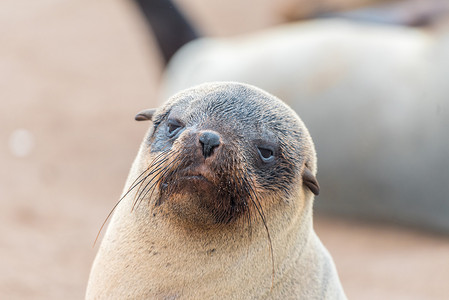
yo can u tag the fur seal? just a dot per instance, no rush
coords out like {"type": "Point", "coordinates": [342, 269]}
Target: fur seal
{"type": "Point", "coordinates": [217, 205]}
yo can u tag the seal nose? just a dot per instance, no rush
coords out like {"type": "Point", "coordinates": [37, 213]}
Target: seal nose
{"type": "Point", "coordinates": [209, 141]}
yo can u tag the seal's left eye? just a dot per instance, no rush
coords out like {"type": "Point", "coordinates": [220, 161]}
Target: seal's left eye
{"type": "Point", "coordinates": [173, 127]}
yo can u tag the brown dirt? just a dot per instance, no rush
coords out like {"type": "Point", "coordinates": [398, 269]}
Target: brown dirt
{"type": "Point", "coordinates": [73, 74]}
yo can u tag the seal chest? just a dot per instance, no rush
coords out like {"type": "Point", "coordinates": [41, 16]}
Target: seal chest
{"type": "Point", "coordinates": [218, 204]}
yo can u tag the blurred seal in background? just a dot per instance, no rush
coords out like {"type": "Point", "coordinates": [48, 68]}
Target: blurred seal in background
{"type": "Point", "coordinates": [371, 88]}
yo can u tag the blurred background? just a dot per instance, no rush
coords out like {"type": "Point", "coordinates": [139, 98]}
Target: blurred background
{"type": "Point", "coordinates": [369, 78]}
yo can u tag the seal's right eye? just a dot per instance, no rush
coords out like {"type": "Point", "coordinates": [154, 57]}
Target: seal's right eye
{"type": "Point", "coordinates": [173, 127]}
{"type": "Point", "coordinates": [266, 153]}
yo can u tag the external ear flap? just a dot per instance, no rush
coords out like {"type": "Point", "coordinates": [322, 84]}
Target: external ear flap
{"type": "Point", "coordinates": [145, 115]}
{"type": "Point", "coordinates": [310, 181]}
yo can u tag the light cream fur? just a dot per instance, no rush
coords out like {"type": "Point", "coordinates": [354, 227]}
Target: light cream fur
{"type": "Point", "coordinates": [147, 253]}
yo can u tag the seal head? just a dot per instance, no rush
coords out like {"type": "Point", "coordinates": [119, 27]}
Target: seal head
{"type": "Point", "coordinates": [219, 150]}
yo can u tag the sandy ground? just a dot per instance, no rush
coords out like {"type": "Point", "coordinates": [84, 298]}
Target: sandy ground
{"type": "Point", "coordinates": [72, 76]}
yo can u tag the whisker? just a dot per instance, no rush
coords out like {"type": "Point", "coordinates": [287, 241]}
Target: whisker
{"type": "Point", "coordinates": [259, 209]}
{"type": "Point", "coordinates": [155, 162]}
{"type": "Point", "coordinates": [153, 173]}
{"type": "Point", "coordinates": [132, 186]}
{"type": "Point", "coordinates": [158, 174]}
{"type": "Point", "coordinates": [247, 213]}
{"type": "Point", "coordinates": [115, 206]}
{"type": "Point", "coordinates": [178, 161]}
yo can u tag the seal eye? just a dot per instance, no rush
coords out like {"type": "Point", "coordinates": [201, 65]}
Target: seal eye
{"type": "Point", "coordinates": [173, 127]}
{"type": "Point", "coordinates": [266, 154]}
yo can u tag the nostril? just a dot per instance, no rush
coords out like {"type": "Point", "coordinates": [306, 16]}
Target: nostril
{"type": "Point", "coordinates": [209, 141]}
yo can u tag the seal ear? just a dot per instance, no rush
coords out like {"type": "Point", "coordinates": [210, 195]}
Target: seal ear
{"type": "Point", "coordinates": [310, 181]}
{"type": "Point", "coordinates": [145, 115]}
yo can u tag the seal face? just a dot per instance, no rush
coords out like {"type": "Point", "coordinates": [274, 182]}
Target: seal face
{"type": "Point", "coordinates": [219, 153]}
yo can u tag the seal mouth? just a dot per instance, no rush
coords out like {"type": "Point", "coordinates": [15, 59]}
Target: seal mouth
{"type": "Point", "coordinates": [195, 177]}
{"type": "Point", "coordinates": [197, 173]}
{"type": "Point", "coordinates": [196, 182]}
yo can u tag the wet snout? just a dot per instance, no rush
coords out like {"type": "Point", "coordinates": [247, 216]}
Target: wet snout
{"type": "Point", "coordinates": [209, 141]}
